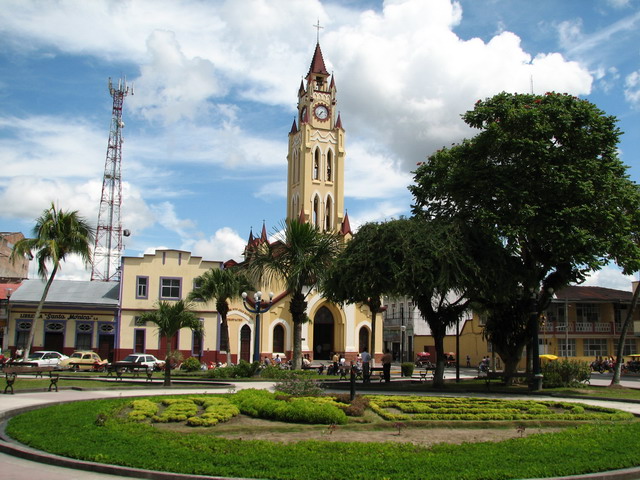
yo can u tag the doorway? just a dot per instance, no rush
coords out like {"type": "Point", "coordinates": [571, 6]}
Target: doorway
{"type": "Point", "coordinates": [323, 334]}
{"type": "Point", "coordinates": [105, 347]}
{"type": "Point", "coordinates": [363, 339]}
{"type": "Point", "coordinates": [54, 341]}
{"type": "Point", "coordinates": [245, 343]}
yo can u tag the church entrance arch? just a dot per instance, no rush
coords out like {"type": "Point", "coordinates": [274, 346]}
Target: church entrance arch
{"type": "Point", "coordinates": [363, 339]}
{"type": "Point", "coordinates": [245, 343]}
{"type": "Point", "coordinates": [323, 328]}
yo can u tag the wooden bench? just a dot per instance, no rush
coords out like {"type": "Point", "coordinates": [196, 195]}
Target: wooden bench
{"type": "Point", "coordinates": [377, 372]}
{"type": "Point", "coordinates": [345, 373]}
{"type": "Point", "coordinates": [11, 372]}
{"type": "Point", "coordinates": [427, 374]}
{"type": "Point", "coordinates": [489, 376]}
{"type": "Point", "coordinates": [120, 367]}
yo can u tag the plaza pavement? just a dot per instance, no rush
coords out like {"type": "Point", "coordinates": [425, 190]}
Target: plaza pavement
{"type": "Point", "coordinates": [46, 467]}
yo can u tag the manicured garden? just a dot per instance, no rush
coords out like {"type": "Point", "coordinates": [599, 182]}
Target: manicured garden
{"type": "Point", "coordinates": [184, 434]}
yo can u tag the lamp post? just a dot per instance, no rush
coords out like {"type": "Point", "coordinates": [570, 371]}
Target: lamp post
{"type": "Point", "coordinates": [258, 310]}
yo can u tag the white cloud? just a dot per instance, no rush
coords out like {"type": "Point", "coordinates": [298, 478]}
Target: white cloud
{"type": "Point", "coordinates": [223, 245]}
{"type": "Point", "coordinates": [610, 277]}
{"type": "Point", "coordinates": [632, 88]}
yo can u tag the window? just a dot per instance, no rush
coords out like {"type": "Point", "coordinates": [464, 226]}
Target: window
{"type": "Point", "coordinates": [629, 348]}
{"type": "Point", "coordinates": [139, 344]}
{"type": "Point", "coordinates": [197, 283]}
{"type": "Point", "coordinates": [84, 334]}
{"type": "Point", "coordinates": [555, 313]}
{"type": "Point", "coordinates": [170, 288]}
{"type": "Point", "coordinates": [566, 349]}
{"type": "Point", "coordinates": [316, 212]}
{"type": "Point", "coordinates": [278, 339]}
{"type": "Point", "coordinates": [595, 347]}
{"type": "Point", "coordinates": [329, 166]}
{"type": "Point", "coordinates": [327, 215]}
{"type": "Point", "coordinates": [142, 287]}
{"type": "Point", "coordinates": [316, 164]}
{"type": "Point", "coordinates": [588, 312]}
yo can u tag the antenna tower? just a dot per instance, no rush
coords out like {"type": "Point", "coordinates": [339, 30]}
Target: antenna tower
{"type": "Point", "coordinates": [108, 247]}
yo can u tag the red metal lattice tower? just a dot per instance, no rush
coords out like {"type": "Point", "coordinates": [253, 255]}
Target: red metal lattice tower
{"type": "Point", "coordinates": [108, 247]}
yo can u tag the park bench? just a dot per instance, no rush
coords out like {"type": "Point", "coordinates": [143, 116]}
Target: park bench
{"type": "Point", "coordinates": [376, 372]}
{"type": "Point", "coordinates": [345, 373]}
{"type": "Point", "coordinates": [427, 374]}
{"type": "Point", "coordinates": [12, 370]}
{"type": "Point", "coordinates": [502, 377]}
{"type": "Point", "coordinates": [120, 367]}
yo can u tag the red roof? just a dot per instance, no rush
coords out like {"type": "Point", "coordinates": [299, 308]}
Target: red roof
{"type": "Point", "coordinates": [593, 294]}
{"type": "Point", "coordinates": [346, 227]}
{"type": "Point", "coordinates": [317, 63]}
{"type": "Point", "coordinates": [294, 127]}
{"type": "Point", "coordinates": [339, 121]}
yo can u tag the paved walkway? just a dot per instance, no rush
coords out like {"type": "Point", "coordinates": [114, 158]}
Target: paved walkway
{"type": "Point", "coordinates": [14, 468]}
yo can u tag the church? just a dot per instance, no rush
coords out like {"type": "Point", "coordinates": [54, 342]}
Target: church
{"type": "Point", "coordinates": [315, 194]}
{"type": "Point", "coordinates": [105, 316]}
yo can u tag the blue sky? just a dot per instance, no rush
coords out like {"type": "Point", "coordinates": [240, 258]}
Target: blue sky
{"type": "Point", "coordinates": [204, 156]}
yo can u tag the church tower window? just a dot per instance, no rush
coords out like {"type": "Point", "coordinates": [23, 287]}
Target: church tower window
{"type": "Point", "coordinates": [316, 164]}
{"type": "Point", "coordinates": [327, 214]}
{"type": "Point", "coordinates": [329, 166]}
{"type": "Point", "coordinates": [316, 211]}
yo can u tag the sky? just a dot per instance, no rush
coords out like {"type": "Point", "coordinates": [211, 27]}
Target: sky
{"type": "Point", "coordinates": [215, 89]}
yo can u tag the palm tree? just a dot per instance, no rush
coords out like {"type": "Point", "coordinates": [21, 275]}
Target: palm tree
{"type": "Point", "coordinates": [299, 257]}
{"type": "Point", "coordinates": [223, 285]}
{"type": "Point", "coordinates": [56, 235]}
{"type": "Point", "coordinates": [170, 318]}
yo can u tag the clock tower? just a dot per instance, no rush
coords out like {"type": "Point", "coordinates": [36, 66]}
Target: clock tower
{"type": "Point", "coordinates": [315, 178]}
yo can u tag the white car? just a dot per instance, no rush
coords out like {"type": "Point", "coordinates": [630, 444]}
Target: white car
{"type": "Point", "coordinates": [45, 358]}
{"type": "Point", "coordinates": [143, 359]}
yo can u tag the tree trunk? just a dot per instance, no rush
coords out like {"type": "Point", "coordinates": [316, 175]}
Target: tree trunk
{"type": "Point", "coordinates": [373, 335]}
{"type": "Point", "coordinates": [298, 308]}
{"type": "Point", "coordinates": [223, 310]}
{"type": "Point", "coordinates": [623, 334]}
{"type": "Point", "coordinates": [167, 364]}
{"type": "Point", "coordinates": [438, 375]}
{"type": "Point", "coordinates": [36, 316]}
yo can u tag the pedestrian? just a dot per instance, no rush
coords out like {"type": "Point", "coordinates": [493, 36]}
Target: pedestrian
{"type": "Point", "coordinates": [366, 366]}
{"type": "Point", "coordinates": [386, 365]}
{"type": "Point", "coordinates": [278, 360]}
{"type": "Point", "coordinates": [335, 359]}
{"type": "Point", "coordinates": [468, 361]}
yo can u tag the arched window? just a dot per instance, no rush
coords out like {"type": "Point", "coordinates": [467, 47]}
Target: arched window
{"type": "Point", "coordinates": [316, 211]}
{"type": "Point", "coordinates": [278, 339]}
{"type": "Point", "coordinates": [327, 214]}
{"type": "Point", "coordinates": [329, 166]}
{"type": "Point", "coordinates": [363, 339]}
{"type": "Point", "coordinates": [296, 166]}
{"type": "Point", "coordinates": [316, 164]}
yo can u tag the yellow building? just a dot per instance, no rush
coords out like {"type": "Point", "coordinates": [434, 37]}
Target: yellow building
{"type": "Point", "coordinates": [164, 275]}
{"type": "Point", "coordinates": [581, 323]}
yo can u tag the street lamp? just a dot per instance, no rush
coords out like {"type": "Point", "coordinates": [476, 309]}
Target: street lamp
{"type": "Point", "coordinates": [258, 310]}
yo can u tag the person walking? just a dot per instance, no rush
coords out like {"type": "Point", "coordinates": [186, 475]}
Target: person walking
{"type": "Point", "coordinates": [386, 365]}
{"type": "Point", "coordinates": [468, 361]}
{"type": "Point", "coordinates": [366, 366]}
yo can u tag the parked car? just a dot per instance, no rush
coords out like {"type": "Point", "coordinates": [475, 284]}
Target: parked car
{"type": "Point", "coordinates": [143, 359]}
{"type": "Point", "coordinates": [45, 358]}
{"type": "Point", "coordinates": [84, 361]}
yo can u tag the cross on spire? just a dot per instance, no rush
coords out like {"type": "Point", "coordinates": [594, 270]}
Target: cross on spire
{"type": "Point", "coordinates": [318, 27]}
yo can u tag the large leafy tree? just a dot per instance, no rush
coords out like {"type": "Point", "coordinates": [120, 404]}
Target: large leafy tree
{"type": "Point", "coordinates": [364, 271]}
{"type": "Point", "coordinates": [222, 285]}
{"type": "Point", "coordinates": [56, 235]}
{"type": "Point", "coordinates": [299, 257]}
{"type": "Point", "coordinates": [170, 318]}
{"type": "Point", "coordinates": [543, 178]}
{"type": "Point", "coordinates": [439, 271]}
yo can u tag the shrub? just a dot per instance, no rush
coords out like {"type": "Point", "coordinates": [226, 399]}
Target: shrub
{"type": "Point", "coordinates": [298, 385]}
{"type": "Point", "coordinates": [243, 370]}
{"type": "Point", "coordinates": [191, 364]}
{"type": "Point", "coordinates": [407, 369]}
{"type": "Point", "coordinates": [565, 373]}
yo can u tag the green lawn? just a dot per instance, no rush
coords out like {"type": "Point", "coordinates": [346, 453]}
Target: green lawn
{"type": "Point", "coordinates": [114, 439]}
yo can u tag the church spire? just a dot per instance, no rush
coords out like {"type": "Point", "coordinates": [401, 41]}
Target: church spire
{"type": "Point", "coordinates": [317, 63]}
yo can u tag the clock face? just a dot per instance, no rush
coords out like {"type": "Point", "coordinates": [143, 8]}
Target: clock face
{"type": "Point", "coordinates": [321, 112]}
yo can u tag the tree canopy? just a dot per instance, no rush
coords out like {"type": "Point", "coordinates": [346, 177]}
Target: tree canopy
{"type": "Point", "coordinates": [170, 318]}
{"type": "Point", "coordinates": [299, 258]}
{"type": "Point", "coordinates": [56, 235]}
{"type": "Point", "coordinates": [544, 179]}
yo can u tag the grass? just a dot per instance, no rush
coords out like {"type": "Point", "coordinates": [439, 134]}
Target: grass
{"type": "Point", "coordinates": [141, 445]}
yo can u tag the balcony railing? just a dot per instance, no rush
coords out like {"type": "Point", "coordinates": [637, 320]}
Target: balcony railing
{"type": "Point", "coordinates": [584, 327]}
